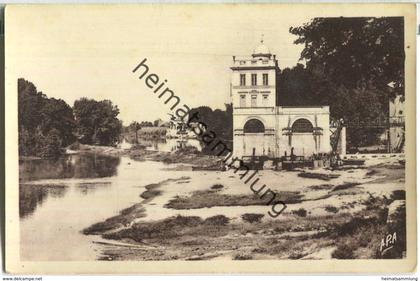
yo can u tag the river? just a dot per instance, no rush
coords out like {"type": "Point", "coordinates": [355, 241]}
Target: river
{"type": "Point", "coordinates": [60, 198]}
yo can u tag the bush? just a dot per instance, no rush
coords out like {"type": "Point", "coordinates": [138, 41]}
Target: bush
{"type": "Point", "coordinates": [320, 176]}
{"type": "Point", "coordinates": [346, 185]}
{"type": "Point", "coordinates": [217, 220]}
{"type": "Point", "coordinates": [182, 221]}
{"type": "Point", "coordinates": [344, 252]}
{"type": "Point", "coordinates": [216, 186]}
{"type": "Point", "coordinates": [398, 195]}
{"type": "Point", "coordinates": [242, 257]}
{"type": "Point", "coordinates": [331, 209]}
{"type": "Point", "coordinates": [301, 212]}
{"type": "Point", "coordinates": [251, 218]}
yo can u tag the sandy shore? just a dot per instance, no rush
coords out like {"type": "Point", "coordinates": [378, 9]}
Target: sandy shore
{"type": "Point", "coordinates": [213, 214]}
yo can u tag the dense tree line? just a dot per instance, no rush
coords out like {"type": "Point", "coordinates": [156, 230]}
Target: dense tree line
{"type": "Point", "coordinates": [97, 121]}
{"type": "Point", "coordinates": [354, 65]}
{"type": "Point", "coordinates": [47, 125]}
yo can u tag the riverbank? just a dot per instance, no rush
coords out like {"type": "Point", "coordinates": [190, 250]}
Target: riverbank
{"type": "Point", "coordinates": [211, 214]}
{"type": "Point", "coordinates": [187, 156]}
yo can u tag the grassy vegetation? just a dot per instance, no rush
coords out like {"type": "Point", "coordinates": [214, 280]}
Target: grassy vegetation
{"type": "Point", "coordinates": [331, 209]}
{"type": "Point", "coordinates": [125, 217]}
{"type": "Point", "coordinates": [173, 227]}
{"type": "Point", "coordinates": [217, 220]}
{"type": "Point", "coordinates": [216, 186]}
{"type": "Point", "coordinates": [361, 236]}
{"type": "Point", "coordinates": [388, 172]}
{"type": "Point", "coordinates": [185, 156]}
{"type": "Point", "coordinates": [301, 212]}
{"type": "Point", "coordinates": [320, 176]}
{"type": "Point", "coordinates": [146, 133]}
{"type": "Point", "coordinates": [252, 218]}
{"type": "Point", "coordinates": [193, 237]}
{"type": "Point", "coordinates": [300, 234]}
{"type": "Point", "coordinates": [347, 235]}
{"type": "Point", "coordinates": [152, 189]}
{"type": "Point", "coordinates": [346, 185]}
{"type": "Point", "coordinates": [321, 186]}
{"type": "Point", "coordinates": [343, 251]}
{"type": "Point", "coordinates": [149, 194]}
{"type": "Point", "coordinates": [212, 198]}
{"type": "Point", "coordinates": [242, 257]}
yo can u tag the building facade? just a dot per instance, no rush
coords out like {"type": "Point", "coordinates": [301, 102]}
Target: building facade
{"type": "Point", "coordinates": [260, 127]}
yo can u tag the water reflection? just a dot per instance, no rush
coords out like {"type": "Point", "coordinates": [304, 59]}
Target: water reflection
{"type": "Point", "coordinates": [51, 215]}
{"type": "Point", "coordinates": [69, 166]}
{"type": "Point", "coordinates": [90, 187]}
{"type": "Point", "coordinates": [31, 196]}
{"type": "Point", "coordinates": [169, 145]}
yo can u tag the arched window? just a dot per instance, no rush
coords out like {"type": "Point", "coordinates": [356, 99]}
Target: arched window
{"type": "Point", "coordinates": [302, 126]}
{"type": "Point", "coordinates": [254, 126]}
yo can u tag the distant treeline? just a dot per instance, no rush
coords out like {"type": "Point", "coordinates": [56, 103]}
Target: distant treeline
{"type": "Point", "coordinates": [47, 125]}
{"type": "Point", "coordinates": [219, 121]}
{"type": "Point", "coordinates": [132, 133]}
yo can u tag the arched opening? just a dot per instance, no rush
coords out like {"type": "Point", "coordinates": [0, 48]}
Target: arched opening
{"type": "Point", "coordinates": [302, 126]}
{"type": "Point", "coordinates": [254, 126]}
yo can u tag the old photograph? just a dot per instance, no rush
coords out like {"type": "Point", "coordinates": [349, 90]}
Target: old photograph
{"type": "Point", "coordinates": [211, 133]}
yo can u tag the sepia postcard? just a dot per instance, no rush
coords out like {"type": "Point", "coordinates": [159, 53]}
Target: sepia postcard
{"type": "Point", "coordinates": [198, 138]}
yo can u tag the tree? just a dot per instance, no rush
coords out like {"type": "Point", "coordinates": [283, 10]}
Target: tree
{"type": "Point", "coordinates": [30, 103]}
{"type": "Point", "coordinates": [44, 122]}
{"type": "Point", "coordinates": [52, 145]}
{"type": "Point", "coordinates": [58, 115]}
{"type": "Point", "coordinates": [356, 52]}
{"type": "Point", "coordinates": [97, 121]}
{"type": "Point", "coordinates": [135, 126]}
{"type": "Point", "coordinates": [218, 121]}
{"type": "Point", "coordinates": [355, 65]}
{"type": "Point", "coordinates": [146, 124]}
{"type": "Point", "coordinates": [294, 87]}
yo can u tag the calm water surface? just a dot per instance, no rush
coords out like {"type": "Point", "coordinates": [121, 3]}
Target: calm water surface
{"type": "Point", "coordinates": [170, 145]}
{"type": "Point", "coordinates": [60, 198]}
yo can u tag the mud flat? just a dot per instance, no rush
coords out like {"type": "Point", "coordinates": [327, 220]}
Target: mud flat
{"type": "Point", "coordinates": [212, 215]}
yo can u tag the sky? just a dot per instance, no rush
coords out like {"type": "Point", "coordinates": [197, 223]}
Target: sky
{"type": "Point", "coordinates": [70, 52]}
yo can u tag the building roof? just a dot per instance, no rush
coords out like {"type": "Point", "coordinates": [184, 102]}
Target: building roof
{"type": "Point", "coordinates": [261, 50]}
